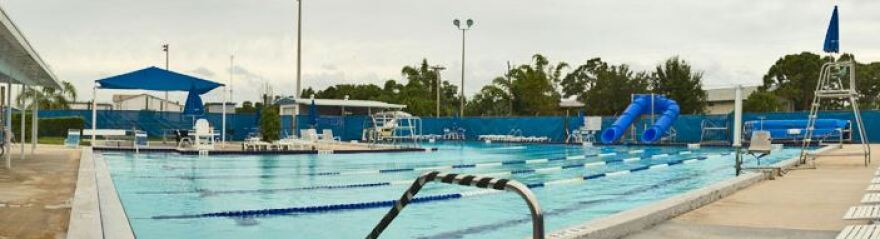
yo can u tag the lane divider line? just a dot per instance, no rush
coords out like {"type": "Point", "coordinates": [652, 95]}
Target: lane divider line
{"type": "Point", "coordinates": [389, 203]}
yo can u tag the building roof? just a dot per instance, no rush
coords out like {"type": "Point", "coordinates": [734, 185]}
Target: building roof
{"type": "Point", "coordinates": [22, 63]}
{"type": "Point", "coordinates": [120, 97]}
{"type": "Point", "coordinates": [728, 93]}
{"type": "Point", "coordinates": [220, 103]}
{"type": "Point", "coordinates": [337, 102]}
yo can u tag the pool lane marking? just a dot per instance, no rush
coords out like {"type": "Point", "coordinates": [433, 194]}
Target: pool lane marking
{"type": "Point", "coordinates": [403, 170]}
{"type": "Point", "coordinates": [389, 203]}
{"type": "Point", "coordinates": [205, 192]}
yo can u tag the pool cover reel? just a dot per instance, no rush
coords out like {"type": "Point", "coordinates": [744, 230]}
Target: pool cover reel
{"type": "Point", "coordinates": [640, 105]}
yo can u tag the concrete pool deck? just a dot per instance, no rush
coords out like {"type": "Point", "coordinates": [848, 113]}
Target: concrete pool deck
{"type": "Point", "coordinates": [35, 195]}
{"type": "Point", "coordinates": [805, 203]}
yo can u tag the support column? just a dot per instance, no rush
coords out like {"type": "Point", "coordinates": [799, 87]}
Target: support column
{"type": "Point", "coordinates": [23, 119]}
{"type": "Point", "coordinates": [94, 113]}
{"type": "Point", "coordinates": [35, 123]}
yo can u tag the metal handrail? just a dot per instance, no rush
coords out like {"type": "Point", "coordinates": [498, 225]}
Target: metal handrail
{"type": "Point", "coordinates": [465, 180]}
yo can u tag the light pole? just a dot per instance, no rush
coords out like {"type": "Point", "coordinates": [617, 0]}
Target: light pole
{"type": "Point", "coordinates": [165, 49]}
{"type": "Point", "coordinates": [468, 23]}
{"type": "Point", "coordinates": [437, 70]}
{"type": "Point", "coordinates": [298, 49]}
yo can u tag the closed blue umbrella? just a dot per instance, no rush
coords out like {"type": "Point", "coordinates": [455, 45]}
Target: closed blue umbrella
{"type": "Point", "coordinates": [313, 115]}
{"type": "Point", "coordinates": [832, 37]}
{"type": "Point", "coordinates": [194, 105]}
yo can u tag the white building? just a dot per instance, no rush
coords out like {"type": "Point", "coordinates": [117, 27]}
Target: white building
{"type": "Point", "coordinates": [721, 100]}
{"type": "Point", "coordinates": [88, 106]}
{"type": "Point", "coordinates": [144, 102]}
{"type": "Point", "coordinates": [217, 107]}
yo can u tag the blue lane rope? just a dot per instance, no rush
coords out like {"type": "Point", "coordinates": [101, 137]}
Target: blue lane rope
{"type": "Point", "coordinates": [205, 192]}
{"type": "Point", "coordinates": [388, 203]}
{"type": "Point", "coordinates": [441, 167]}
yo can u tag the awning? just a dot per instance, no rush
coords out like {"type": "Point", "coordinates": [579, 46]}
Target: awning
{"type": "Point", "coordinates": [19, 62]}
{"type": "Point", "coordinates": [157, 79]}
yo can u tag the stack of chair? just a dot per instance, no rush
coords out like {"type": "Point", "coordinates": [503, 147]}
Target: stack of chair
{"type": "Point", "coordinates": [869, 210]}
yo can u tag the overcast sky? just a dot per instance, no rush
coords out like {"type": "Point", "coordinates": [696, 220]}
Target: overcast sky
{"type": "Point", "coordinates": [358, 41]}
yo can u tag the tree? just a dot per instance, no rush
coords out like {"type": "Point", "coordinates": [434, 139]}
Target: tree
{"type": "Point", "coordinates": [270, 123]}
{"type": "Point", "coordinates": [48, 97]}
{"type": "Point", "coordinates": [762, 101]}
{"type": "Point", "coordinates": [678, 81]}
{"type": "Point", "coordinates": [794, 77]}
{"type": "Point", "coordinates": [419, 93]}
{"type": "Point", "coordinates": [246, 107]}
{"type": "Point", "coordinates": [492, 100]}
{"type": "Point", "coordinates": [534, 87]}
{"type": "Point", "coordinates": [606, 89]}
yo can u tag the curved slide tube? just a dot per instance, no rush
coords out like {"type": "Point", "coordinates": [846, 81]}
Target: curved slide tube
{"type": "Point", "coordinates": [642, 105]}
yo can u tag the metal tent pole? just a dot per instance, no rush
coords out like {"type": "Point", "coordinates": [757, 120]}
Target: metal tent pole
{"type": "Point", "coordinates": [94, 112]}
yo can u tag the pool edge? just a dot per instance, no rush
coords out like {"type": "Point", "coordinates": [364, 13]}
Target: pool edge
{"type": "Point", "coordinates": [635, 220]}
{"type": "Point", "coordinates": [96, 210]}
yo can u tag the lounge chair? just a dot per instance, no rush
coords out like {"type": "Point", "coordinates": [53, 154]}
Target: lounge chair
{"type": "Point", "coordinates": [865, 212]}
{"type": "Point", "coordinates": [327, 136]}
{"type": "Point", "coordinates": [873, 188]}
{"type": "Point", "coordinates": [871, 198]}
{"type": "Point", "coordinates": [860, 232]}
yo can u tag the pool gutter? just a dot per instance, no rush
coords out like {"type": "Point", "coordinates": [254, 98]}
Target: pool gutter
{"type": "Point", "coordinates": [96, 210]}
{"type": "Point", "coordinates": [631, 221]}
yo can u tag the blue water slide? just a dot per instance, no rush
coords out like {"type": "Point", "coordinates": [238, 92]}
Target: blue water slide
{"type": "Point", "coordinates": [640, 105]}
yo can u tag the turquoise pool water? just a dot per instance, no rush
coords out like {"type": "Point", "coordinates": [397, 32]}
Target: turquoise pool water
{"type": "Point", "coordinates": [170, 195]}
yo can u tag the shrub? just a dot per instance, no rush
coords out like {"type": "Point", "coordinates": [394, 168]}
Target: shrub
{"type": "Point", "coordinates": [56, 127]}
{"type": "Point", "coordinates": [270, 123]}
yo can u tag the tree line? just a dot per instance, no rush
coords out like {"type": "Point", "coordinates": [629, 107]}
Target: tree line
{"type": "Point", "coordinates": [536, 88]}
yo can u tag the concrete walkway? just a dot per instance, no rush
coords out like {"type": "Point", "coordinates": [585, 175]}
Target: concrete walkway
{"type": "Point", "coordinates": [807, 203]}
{"type": "Point", "coordinates": [35, 194]}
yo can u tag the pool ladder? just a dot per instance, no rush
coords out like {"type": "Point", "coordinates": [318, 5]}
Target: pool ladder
{"type": "Point", "coordinates": [465, 180]}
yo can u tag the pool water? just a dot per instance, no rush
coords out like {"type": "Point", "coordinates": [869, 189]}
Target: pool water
{"type": "Point", "coordinates": [180, 196]}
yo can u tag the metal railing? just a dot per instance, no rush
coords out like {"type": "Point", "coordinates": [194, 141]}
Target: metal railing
{"type": "Point", "coordinates": [465, 180]}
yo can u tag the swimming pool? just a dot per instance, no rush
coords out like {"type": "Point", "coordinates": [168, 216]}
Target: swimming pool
{"type": "Point", "coordinates": [291, 196]}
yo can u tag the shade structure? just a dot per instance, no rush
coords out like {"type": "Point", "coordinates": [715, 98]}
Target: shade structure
{"type": "Point", "coordinates": [313, 114]}
{"type": "Point", "coordinates": [832, 36]}
{"type": "Point", "coordinates": [157, 79]}
{"type": "Point", "coordinates": [194, 104]}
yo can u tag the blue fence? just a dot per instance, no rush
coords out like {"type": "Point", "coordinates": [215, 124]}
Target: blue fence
{"type": "Point", "coordinates": [239, 126]}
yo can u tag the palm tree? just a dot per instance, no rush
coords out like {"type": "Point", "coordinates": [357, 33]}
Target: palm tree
{"type": "Point", "coordinates": [49, 98]}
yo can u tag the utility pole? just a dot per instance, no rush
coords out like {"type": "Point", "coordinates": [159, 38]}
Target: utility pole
{"type": "Point", "coordinates": [165, 49]}
{"type": "Point", "coordinates": [438, 83]}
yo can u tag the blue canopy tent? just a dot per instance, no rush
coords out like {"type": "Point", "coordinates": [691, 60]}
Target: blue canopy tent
{"type": "Point", "coordinates": [157, 79]}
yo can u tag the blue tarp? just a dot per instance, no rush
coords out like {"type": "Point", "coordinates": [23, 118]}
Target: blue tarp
{"type": "Point", "coordinates": [832, 36]}
{"type": "Point", "coordinates": [351, 127]}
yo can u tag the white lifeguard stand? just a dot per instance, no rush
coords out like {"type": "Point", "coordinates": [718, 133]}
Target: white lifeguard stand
{"type": "Point", "coordinates": [394, 126]}
{"type": "Point", "coordinates": [831, 86]}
